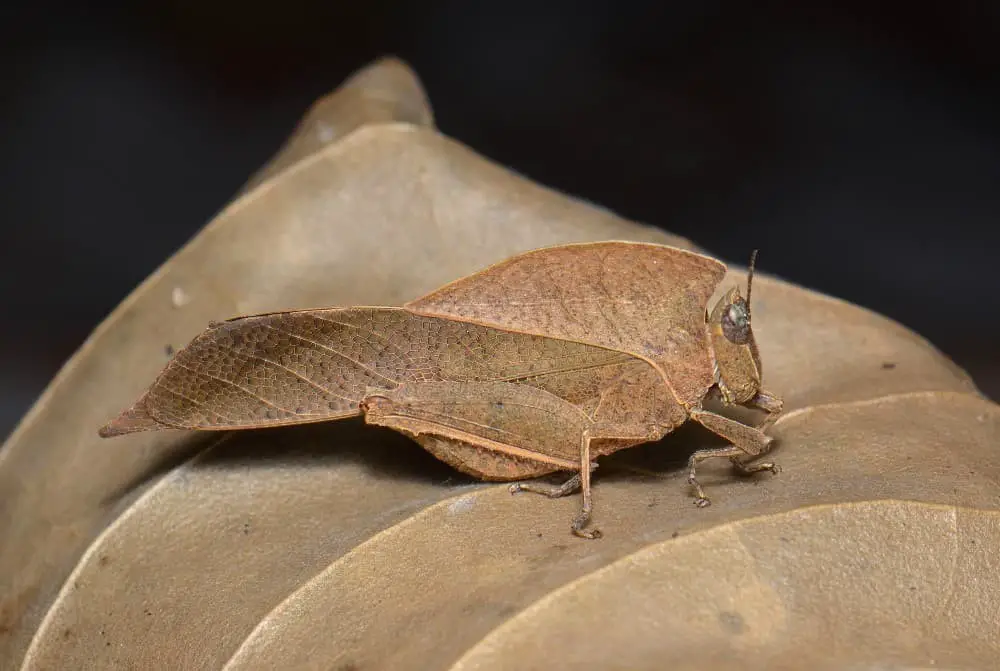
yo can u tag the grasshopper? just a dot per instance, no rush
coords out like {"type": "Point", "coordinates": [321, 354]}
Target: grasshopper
{"type": "Point", "coordinates": [540, 363]}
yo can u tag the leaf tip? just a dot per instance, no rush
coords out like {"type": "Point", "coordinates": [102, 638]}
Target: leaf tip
{"type": "Point", "coordinates": [133, 420]}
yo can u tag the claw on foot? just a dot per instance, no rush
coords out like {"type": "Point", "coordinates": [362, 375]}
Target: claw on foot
{"type": "Point", "coordinates": [751, 469]}
{"type": "Point", "coordinates": [582, 520]}
{"type": "Point", "coordinates": [578, 530]}
{"type": "Point", "coordinates": [773, 468]}
{"type": "Point", "coordinates": [700, 499]}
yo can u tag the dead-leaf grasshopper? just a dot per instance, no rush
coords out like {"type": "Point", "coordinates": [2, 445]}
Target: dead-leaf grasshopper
{"type": "Point", "coordinates": [541, 363]}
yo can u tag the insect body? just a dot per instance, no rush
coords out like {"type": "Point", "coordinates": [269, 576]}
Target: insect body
{"type": "Point", "coordinates": [541, 363]}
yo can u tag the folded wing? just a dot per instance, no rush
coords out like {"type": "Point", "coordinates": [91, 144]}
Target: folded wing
{"type": "Point", "coordinates": [645, 299]}
{"type": "Point", "coordinates": [316, 365]}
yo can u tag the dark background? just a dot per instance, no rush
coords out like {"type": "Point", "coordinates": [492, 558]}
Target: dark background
{"type": "Point", "coordinates": [858, 147]}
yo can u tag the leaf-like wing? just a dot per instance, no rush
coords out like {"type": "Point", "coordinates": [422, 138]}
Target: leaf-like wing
{"type": "Point", "coordinates": [314, 365]}
{"type": "Point", "coordinates": [645, 299]}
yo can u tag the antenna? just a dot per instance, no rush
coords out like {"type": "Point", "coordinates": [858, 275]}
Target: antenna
{"type": "Point", "coordinates": [753, 262]}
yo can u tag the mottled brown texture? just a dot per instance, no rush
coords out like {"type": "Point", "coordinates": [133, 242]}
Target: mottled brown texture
{"type": "Point", "coordinates": [484, 464]}
{"type": "Point", "coordinates": [503, 417]}
{"type": "Point", "coordinates": [315, 365]}
{"type": "Point", "coordinates": [875, 548]}
{"type": "Point", "coordinates": [646, 300]}
{"type": "Point", "coordinates": [567, 304]}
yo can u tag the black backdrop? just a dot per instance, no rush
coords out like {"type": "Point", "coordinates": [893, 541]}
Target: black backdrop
{"type": "Point", "coordinates": [858, 147]}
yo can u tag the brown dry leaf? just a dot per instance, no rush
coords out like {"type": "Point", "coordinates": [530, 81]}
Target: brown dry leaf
{"type": "Point", "coordinates": [346, 546]}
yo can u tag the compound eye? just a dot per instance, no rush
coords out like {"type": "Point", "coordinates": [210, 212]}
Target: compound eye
{"type": "Point", "coordinates": [736, 322]}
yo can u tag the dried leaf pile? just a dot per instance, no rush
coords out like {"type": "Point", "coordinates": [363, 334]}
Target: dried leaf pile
{"type": "Point", "coordinates": [344, 546]}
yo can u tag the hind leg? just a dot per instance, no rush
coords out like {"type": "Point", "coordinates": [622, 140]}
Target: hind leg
{"type": "Point", "coordinates": [582, 479]}
{"type": "Point", "coordinates": [579, 481]}
{"type": "Point", "coordinates": [551, 491]}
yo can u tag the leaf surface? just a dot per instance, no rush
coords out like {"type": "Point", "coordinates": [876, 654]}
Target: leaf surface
{"type": "Point", "coordinates": [283, 548]}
